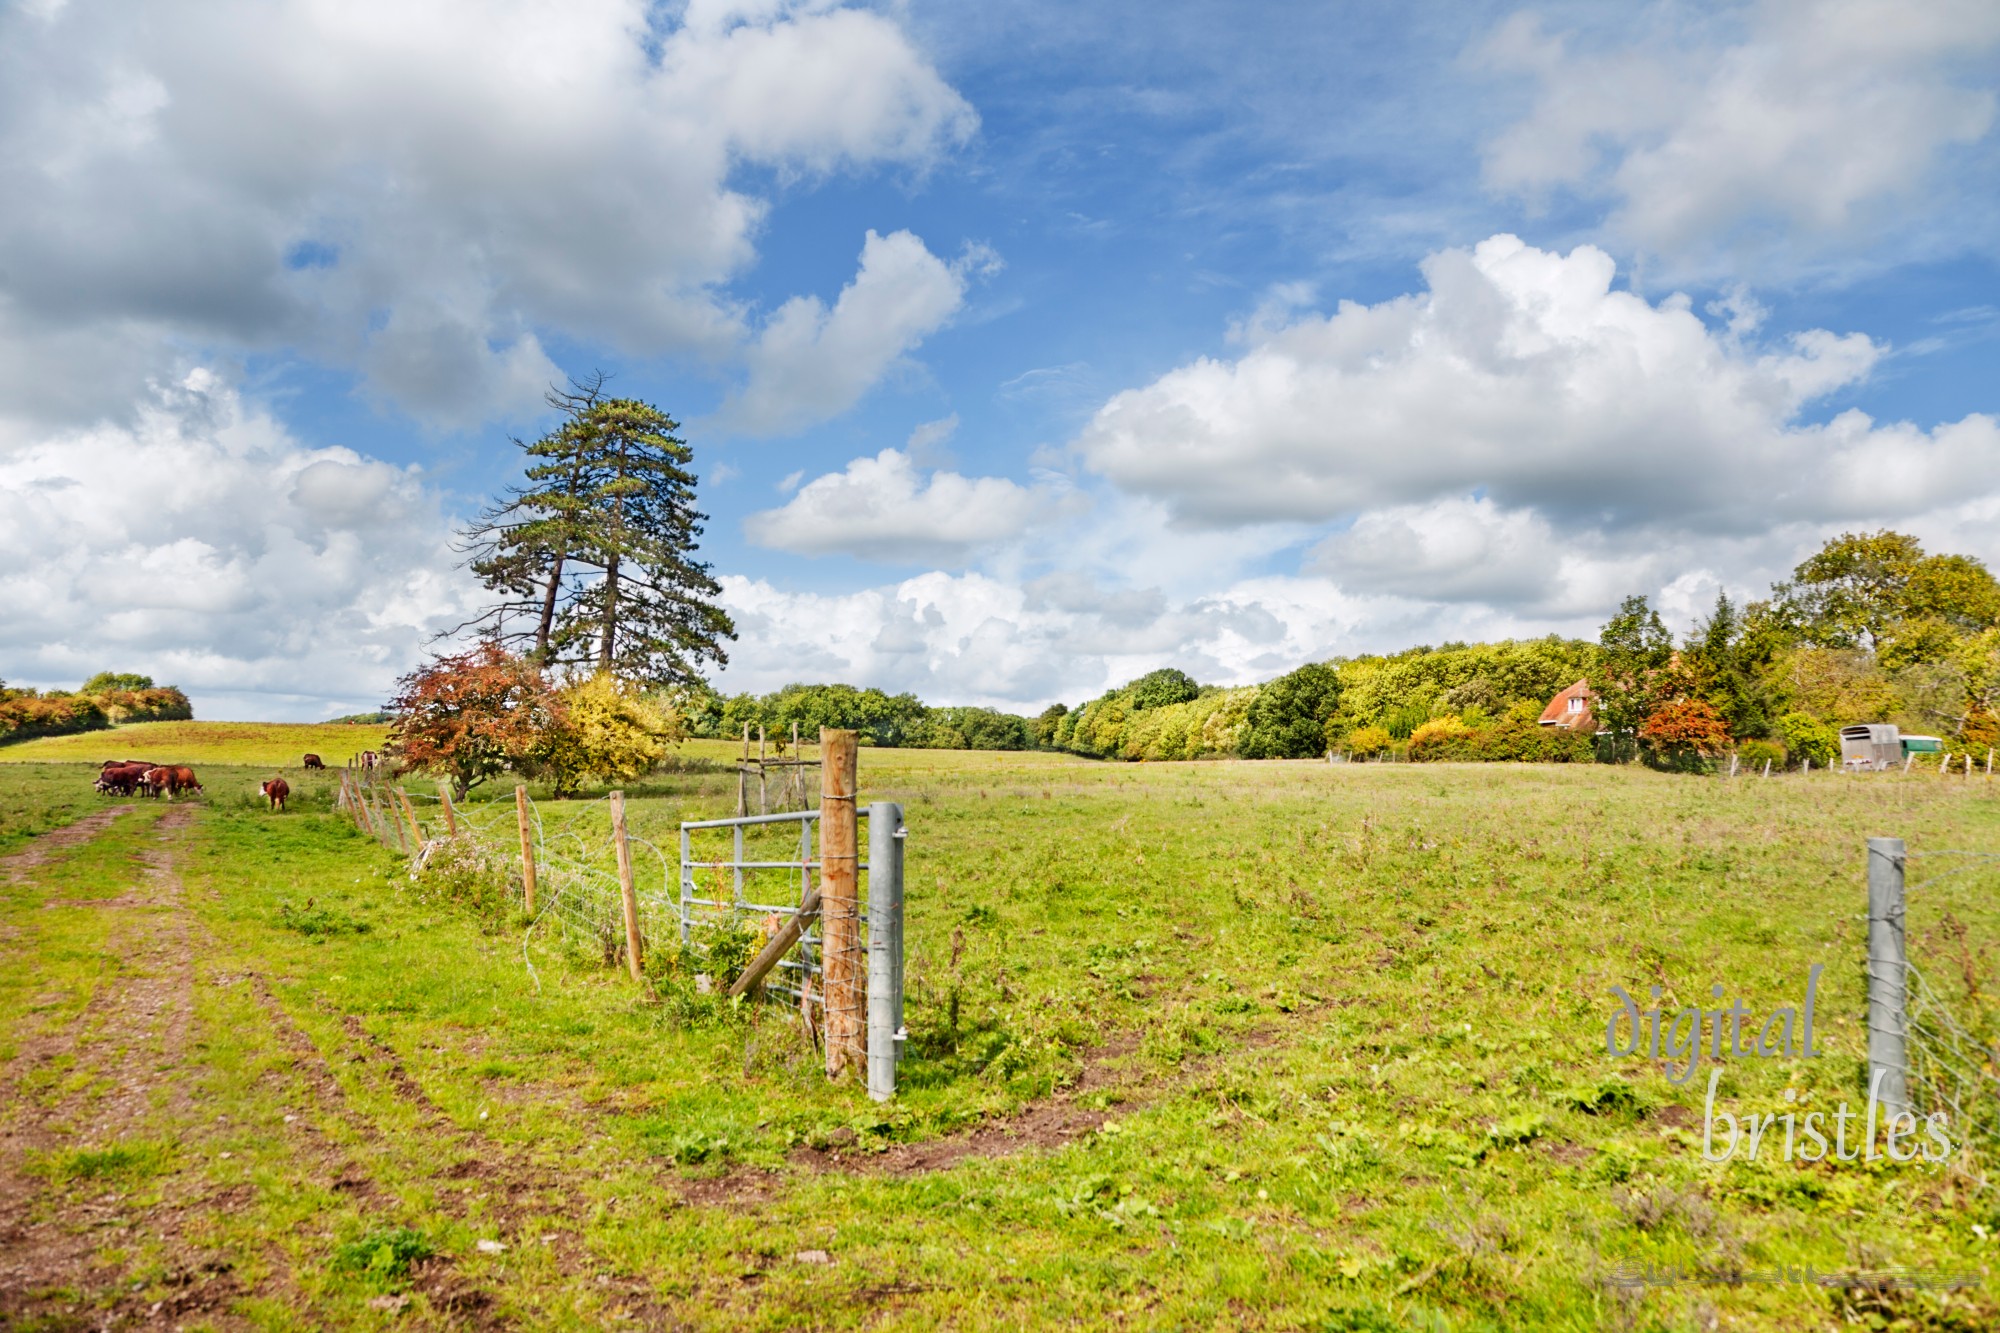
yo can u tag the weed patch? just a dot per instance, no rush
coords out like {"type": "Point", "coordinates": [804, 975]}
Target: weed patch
{"type": "Point", "coordinates": [124, 1163]}
{"type": "Point", "coordinates": [316, 920]}
{"type": "Point", "coordinates": [385, 1258]}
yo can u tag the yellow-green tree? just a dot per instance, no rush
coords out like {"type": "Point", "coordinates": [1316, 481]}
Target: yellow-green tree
{"type": "Point", "coordinates": [609, 730]}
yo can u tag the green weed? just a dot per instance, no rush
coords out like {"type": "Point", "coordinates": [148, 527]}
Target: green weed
{"type": "Point", "coordinates": [314, 920]}
{"type": "Point", "coordinates": [384, 1257]}
{"type": "Point", "coordinates": [126, 1163]}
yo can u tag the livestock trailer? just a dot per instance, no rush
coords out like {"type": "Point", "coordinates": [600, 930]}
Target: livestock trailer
{"type": "Point", "coordinates": [1871, 747]}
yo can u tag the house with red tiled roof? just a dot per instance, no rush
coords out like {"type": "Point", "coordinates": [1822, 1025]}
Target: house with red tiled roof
{"type": "Point", "coordinates": [1573, 709]}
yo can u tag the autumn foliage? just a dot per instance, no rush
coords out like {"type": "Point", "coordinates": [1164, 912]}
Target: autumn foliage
{"type": "Point", "coordinates": [1686, 726]}
{"type": "Point", "coordinates": [471, 715]}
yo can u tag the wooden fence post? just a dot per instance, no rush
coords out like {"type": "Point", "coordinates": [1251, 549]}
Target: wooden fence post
{"type": "Point", "coordinates": [450, 815]}
{"type": "Point", "coordinates": [625, 886]}
{"type": "Point", "coordinates": [367, 815]}
{"type": "Point", "coordinates": [527, 848]}
{"type": "Point", "coordinates": [841, 953]}
{"type": "Point", "coordinates": [410, 813]}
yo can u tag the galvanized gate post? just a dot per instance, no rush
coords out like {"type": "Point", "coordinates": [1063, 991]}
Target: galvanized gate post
{"type": "Point", "coordinates": [1888, 978]}
{"type": "Point", "coordinates": [885, 947]}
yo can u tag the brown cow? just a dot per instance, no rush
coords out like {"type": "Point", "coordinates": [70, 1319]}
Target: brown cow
{"type": "Point", "coordinates": [275, 791]}
{"type": "Point", "coordinates": [171, 779]}
{"type": "Point", "coordinates": [122, 778]}
{"type": "Point", "coordinates": [314, 761]}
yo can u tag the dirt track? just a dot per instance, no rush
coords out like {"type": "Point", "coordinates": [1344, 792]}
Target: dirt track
{"type": "Point", "coordinates": [111, 1075]}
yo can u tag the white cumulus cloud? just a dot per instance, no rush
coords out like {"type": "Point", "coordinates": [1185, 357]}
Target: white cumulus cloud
{"type": "Point", "coordinates": [811, 362]}
{"type": "Point", "coordinates": [1522, 374]}
{"type": "Point", "coordinates": [884, 508]}
{"type": "Point", "coordinates": [420, 192]}
{"type": "Point", "coordinates": [1807, 122]}
{"type": "Point", "coordinates": [207, 548]}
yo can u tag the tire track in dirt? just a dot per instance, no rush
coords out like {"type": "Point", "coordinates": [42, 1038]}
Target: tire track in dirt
{"type": "Point", "coordinates": [130, 1040]}
{"type": "Point", "coordinates": [467, 1168]}
{"type": "Point", "coordinates": [1041, 1126]}
{"type": "Point", "coordinates": [43, 849]}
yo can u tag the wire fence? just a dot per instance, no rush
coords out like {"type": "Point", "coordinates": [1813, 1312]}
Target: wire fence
{"type": "Point", "coordinates": [1933, 1054]}
{"type": "Point", "coordinates": [577, 894]}
{"type": "Point", "coordinates": [730, 888]}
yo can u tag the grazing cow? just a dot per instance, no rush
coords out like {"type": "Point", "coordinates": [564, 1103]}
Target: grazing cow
{"type": "Point", "coordinates": [275, 791]}
{"type": "Point", "coordinates": [171, 780]}
{"type": "Point", "coordinates": [369, 759]}
{"type": "Point", "coordinates": [313, 761]}
{"type": "Point", "coordinates": [122, 778]}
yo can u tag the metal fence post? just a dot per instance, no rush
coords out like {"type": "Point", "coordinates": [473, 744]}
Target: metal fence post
{"type": "Point", "coordinates": [1888, 976]}
{"type": "Point", "coordinates": [885, 947]}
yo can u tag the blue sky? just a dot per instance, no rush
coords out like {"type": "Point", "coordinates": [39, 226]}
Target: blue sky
{"type": "Point", "coordinates": [1023, 347]}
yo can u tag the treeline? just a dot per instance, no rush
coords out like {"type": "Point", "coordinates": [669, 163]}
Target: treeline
{"type": "Point", "coordinates": [107, 699]}
{"type": "Point", "coordinates": [1868, 629]}
{"type": "Point", "coordinates": [1494, 694]}
{"type": "Point", "coordinates": [891, 720]}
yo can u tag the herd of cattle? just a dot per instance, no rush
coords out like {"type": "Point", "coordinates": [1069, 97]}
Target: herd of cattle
{"type": "Point", "coordinates": [140, 777]}
{"type": "Point", "coordinates": [136, 777]}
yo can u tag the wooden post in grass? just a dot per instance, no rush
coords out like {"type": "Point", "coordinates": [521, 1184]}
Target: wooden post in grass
{"type": "Point", "coordinates": [410, 813]}
{"type": "Point", "coordinates": [841, 950]}
{"type": "Point", "coordinates": [625, 886]}
{"type": "Point", "coordinates": [527, 848]}
{"type": "Point", "coordinates": [363, 815]}
{"type": "Point", "coordinates": [450, 815]}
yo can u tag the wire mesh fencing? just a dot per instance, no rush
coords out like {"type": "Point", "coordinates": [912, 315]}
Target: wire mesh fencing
{"type": "Point", "coordinates": [1928, 1053]}
{"type": "Point", "coordinates": [577, 897]}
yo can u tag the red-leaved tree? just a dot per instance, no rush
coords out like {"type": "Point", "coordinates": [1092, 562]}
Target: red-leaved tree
{"type": "Point", "coordinates": [1686, 726]}
{"type": "Point", "coordinates": [470, 715]}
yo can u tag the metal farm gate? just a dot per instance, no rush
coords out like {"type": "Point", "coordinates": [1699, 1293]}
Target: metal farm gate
{"type": "Point", "coordinates": [769, 857]}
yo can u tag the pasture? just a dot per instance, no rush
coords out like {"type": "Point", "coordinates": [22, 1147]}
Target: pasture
{"type": "Point", "coordinates": [197, 743]}
{"type": "Point", "coordinates": [1268, 1045]}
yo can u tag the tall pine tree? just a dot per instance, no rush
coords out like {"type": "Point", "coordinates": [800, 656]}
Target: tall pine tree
{"type": "Point", "coordinates": [594, 557]}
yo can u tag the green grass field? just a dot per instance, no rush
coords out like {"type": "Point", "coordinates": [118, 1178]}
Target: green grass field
{"type": "Point", "coordinates": [272, 744]}
{"type": "Point", "coordinates": [1213, 1045]}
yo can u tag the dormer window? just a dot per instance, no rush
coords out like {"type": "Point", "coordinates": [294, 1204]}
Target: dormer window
{"type": "Point", "coordinates": [1576, 704]}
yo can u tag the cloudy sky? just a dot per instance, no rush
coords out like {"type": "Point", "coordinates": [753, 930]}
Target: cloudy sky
{"type": "Point", "coordinates": [1023, 346]}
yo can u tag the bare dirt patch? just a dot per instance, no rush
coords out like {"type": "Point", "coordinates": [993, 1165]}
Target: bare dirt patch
{"type": "Point", "coordinates": [1042, 1127]}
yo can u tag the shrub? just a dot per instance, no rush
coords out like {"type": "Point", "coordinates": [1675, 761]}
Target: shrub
{"type": "Point", "coordinates": [1369, 741]}
{"type": "Point", "coordinates": [1806, 737]}
{"type": "Point", "coordinates": [606, 728]}
{"type": "Point", "coordinates": [1753, 755]}
{"type": "Point", "coordinates": [1504, 742]}
{"type": "Point", "coordinates": [473, 714]}
{"type": "Point", "coordinates": [1436, 730]}
{"type": "Point", "coordinates": [1686, 726]}
{"type": "Point", "coordinates": [458, 873]}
